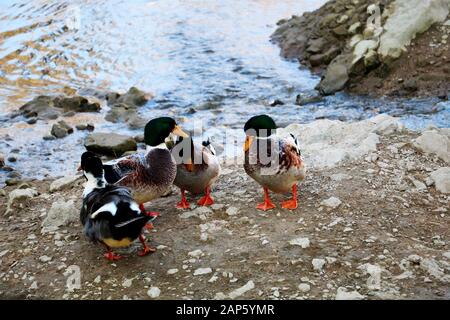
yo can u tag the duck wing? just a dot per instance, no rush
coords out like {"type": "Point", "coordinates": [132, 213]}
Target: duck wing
{"type": "Point", "coordinates": [118, 169]}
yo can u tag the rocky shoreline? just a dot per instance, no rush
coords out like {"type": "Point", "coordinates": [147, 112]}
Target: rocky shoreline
{"type": "Point", "coordinates": [396, 48]}
{"type": "Point", "coordinates": [372, 223]}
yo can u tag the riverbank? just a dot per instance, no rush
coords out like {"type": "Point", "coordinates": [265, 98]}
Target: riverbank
{"type": "Point", "coordinates": [372, 223]}
{"type": "Point", "coordinates": [397, 48]}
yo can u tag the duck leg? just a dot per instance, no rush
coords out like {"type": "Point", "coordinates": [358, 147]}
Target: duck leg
{"type": "Point", "coordinates": [110, 255]}
{"type": "Point", "coordinates": [267, 204]}
{"type": "Point", "coordinates": [146, 250]}
{"type": "Point", "coordinates": [183, 204]}
{"type": "Point", "coordinates": [291, 204]}
{"type": "Point", "coordinates": [206, 200]}
{"type": "Point", "coordinates": [148, 226]}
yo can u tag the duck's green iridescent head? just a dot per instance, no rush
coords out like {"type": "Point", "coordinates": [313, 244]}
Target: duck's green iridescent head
{"type": "Point", "coordinates": [158, 129]}
{"type": "Point", "coordinates": [260, 126]}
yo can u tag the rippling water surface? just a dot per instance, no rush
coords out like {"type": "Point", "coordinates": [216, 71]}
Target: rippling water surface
{"type": "Point", "coordinates": [214, 56]}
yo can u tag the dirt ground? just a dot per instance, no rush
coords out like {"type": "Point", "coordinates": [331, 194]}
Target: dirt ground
{"type": "Point", "coordinates": [384, 220]}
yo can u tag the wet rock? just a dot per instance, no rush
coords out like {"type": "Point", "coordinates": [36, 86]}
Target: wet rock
{"type": "Point", "coordinates": [61, 129]}
{"type": "Point", "coordinates": [154, 292]}
{"type": "Point", "coordinates": [435, 142]}
{"type": "Point", "coordinates": [12, 159]}
{"type": "Point", "coordinates": [302, 242]}
{"type": "Point", "coordinates": [111, 144]}
{"type": "Point", "coordinates": [139, 138]}
{"type": "Point", "coordinates": [2, 160]}
{"type": "Point", "coordinates": [134, 97]}
{"type": "Point", "coordinates": [61, 213]}
{"type": "Point", "coordinates": [49, 138]}
{"type": "Point", "coordinates": [331, 203]}
{"type": "Point", "coordinates": [276, 102]}
{"type": "Point", "coordinates": [304, 99]}
{"type": "Point", "coordinates": [441, 179]}
{"type": "Point", "coordinates": [316, 45]}
{"type": "Point", "coordinates": [76, 104]}
{"type": "Point", "coordinates": [120, 112]}
{"type": "Point", "coordinates": [46, 107]}
{"type": "Point", "coordinates": [343, 294]}
{"type": "Point", "coordinates": [32, 121]}
{"type": "Point", "coordinates": [63, 183]}
{"type": "Point", "coordinates": [88, 127]}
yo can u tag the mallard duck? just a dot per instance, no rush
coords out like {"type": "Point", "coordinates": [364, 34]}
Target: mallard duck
{"type": "Point", "coordinates": [148, 176]}
{"type": "Point", "coordinates": [197, 169]}
{"type": "Point", "coordinates": [275, 163]}
{"type": "Point", "coordinates": [109, 214]}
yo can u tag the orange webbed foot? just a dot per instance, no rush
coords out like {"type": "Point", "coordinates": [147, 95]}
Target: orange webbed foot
{"type": "Point", "coordinates": [265, 206]}
{"type": "Point", "coordinates": [183, 204]}
{"type": "Point", "coordinates": [146, 249]}
{"type": "Point", "coordinates": [289, 204]}
{"type": "Point", "coordinates": [111, 256]}
{"type": "Point", "coordinates": [206, 201]}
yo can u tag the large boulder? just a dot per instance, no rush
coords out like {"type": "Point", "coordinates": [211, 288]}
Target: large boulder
{"type": "Point", "coordinates": [326, 143]}
{"type": "Point", "coordinates": [409, 18]}
{"type": "Point", "coordinates": [111, 144]}
{"type": "Point", "coordinates": [77, 104]}
{"type": "Point", "coordinates": [436, 141]}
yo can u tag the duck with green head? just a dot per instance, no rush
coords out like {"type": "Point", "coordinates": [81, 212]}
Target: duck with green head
{"type": "Point", "coordinates": [150, 175]}
{"type": "Point", "coordinates": [274, 162]}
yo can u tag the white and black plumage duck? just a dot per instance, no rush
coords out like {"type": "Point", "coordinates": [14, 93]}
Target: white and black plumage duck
{"type": "Point", "coordinates": [149, 176]}
{"type": "Point", "coordinates": [274, 162]}
{"type": "Point", "coordinates": [197, 169]}
{"type": "Point", "coordinates": [109, 214]}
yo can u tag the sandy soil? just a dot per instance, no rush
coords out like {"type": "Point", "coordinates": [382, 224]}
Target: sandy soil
{"type": "Point", "coordinates": [383, 220]}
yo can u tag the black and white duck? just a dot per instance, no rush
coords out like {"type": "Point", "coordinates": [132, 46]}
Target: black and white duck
{"type": "Point", "coordinates": [274, 162]}
{"type": "Point", "coordinates": [197, 169]}
{"type": "Point", "coordinates": [109, 214]}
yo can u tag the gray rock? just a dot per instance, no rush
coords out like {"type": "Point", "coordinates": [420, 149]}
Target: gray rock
{"type": "Point", "coordinates": [435, 142]}
{"type": "Point", "coordinates": [61, 213]}
{"type": "Point", "coordinates": [441, 179]}
{"type": "Point", "coordinates": [61, 129]}
{"type": "Point", "coordinates": [49, 137]}
{"type": "Point", "coordinates": [154, 292]}
{"type": "Point", "coordinates": [304, 99]}
{"type": "Point", "coordinates": [111, 144]}
{"type": "Point", "coordinates": [336, 75]}
{"type": "Point", "coordinates": [63, 183]}
{"type": "Point", "coordinates": [76, 104]}
{"type": "Point", "coordinates": [2, 160]}
{"type": "Point", "coordinates": [134, 98]}
{"type": "Point", "coordinates": [343, 294]}
{"type": "Point", "coordinates": [316, 45]}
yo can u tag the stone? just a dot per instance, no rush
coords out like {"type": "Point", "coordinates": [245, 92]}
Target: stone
{"type": "Point", "coordinates": [232, 211]}
{"type": "Point", "coordinates": [409, 18]}
{"type": "Point", "coordinates": [111, 144]}
{"type": "Point", "coordinates": [250, 285]}
{"type": "Point", "coordinates": [61, 213]}
{"type": "Point", "coordinates": [196, 253]}
{"type": "Point", "coordinates": [45, 259]}
{"type": "Point", "coordinates": [441, 179]}
{"type": "Point", "coordinates": [61, 129]}
{"type": "Point", "coordinates": [354, 27]}
{"type": "Point", "coordinates": [2, 160]}
{"type": "Point", "coordinates": [336, 75]}
{"type": "Point", "coordinates": [316, 45]}
{"type": "Point", "coordinates": [318, 264]}
{"type": "Point", "coordinates": [76, 104]}
{"type": "Point", "coordinates": [172, 271]}
{"type": "Point", "coordinates": [304, 99]}
{"type": "Point", "coordinates": [304, 287]}
{"type": "Point", "coordinates": [154, 292]}
{"type": "Point", "coordinates": [343, 294]}
{"type": "Point", "coordinates": [127, 283]}
{"type": "Point", "coordinates": [134, 97]}
{"type": "Point", "coordinates": [331, 203]}
{"type": "Point", "coordinates": [20, 195]}
{"type": "Point", "coordinates": [63, 183]}
{"type": "Point", "coordinates": [302, 242]}
{"type": "Point", "coordinates": [202, 271]}
{"type": "Point", "coordinates": [374, 272]}
{"type": "Point", "coordinates": [435, 142]}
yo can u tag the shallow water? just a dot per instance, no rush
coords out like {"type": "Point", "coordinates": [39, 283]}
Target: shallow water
{"type": "Point", "coordinates": [214, 56]}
